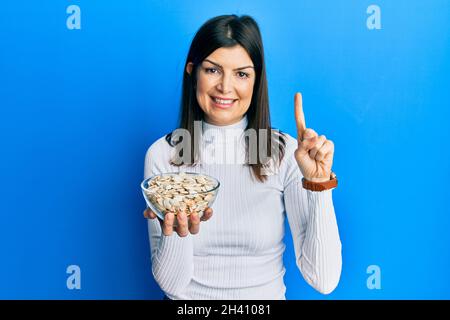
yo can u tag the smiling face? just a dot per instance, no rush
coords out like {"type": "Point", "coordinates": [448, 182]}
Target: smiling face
{"type": "Point", "coordinates": [225, 81]}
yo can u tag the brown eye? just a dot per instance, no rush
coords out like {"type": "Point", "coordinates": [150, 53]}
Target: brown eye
{"type": "Point", "coordinates": [243, 75]}
{"type": "Point", "coordinates": [211, 70]}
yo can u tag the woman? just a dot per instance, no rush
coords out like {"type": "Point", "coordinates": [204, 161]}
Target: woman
{"type": "Point", "coordinates": [238, 254]}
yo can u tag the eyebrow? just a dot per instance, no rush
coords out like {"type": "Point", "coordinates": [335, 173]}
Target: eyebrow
{"type": "Point", "coordinates": [218, 65]}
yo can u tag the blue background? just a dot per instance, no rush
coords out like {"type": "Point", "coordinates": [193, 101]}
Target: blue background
{"type": "Point", "coordinates": [79, 108]}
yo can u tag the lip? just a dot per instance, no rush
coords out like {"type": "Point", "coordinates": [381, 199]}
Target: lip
{"type": "Point", "coordinates": [222, 98]}
{"type": "Point", "coordinates": [221, 106]}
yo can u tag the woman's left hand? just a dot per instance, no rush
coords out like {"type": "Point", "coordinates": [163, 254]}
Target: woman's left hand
{"type": "Point", "coordinates": [314, 154]}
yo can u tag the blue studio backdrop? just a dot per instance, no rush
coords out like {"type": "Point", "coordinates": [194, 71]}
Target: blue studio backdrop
{"type": "Point", "coordinates": [87, 86]}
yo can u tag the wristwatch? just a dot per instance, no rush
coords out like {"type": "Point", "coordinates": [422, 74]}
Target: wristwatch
{"type": "Point", "coordinates": [321, 186]}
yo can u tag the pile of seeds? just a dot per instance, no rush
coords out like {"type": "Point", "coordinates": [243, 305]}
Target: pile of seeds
{"type": "Point", "coordinates": [181, 192]}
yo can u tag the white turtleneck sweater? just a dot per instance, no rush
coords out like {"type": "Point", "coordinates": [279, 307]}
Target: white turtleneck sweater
{"type": "Point", "coordinates": [238, 253]}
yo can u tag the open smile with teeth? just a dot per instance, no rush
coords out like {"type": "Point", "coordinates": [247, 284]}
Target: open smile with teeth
{"type": "Point", "coordinates": [223, 102]}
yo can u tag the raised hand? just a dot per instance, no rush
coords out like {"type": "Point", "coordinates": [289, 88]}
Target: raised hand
{"type": "Point", "coordinates": [314, 154]}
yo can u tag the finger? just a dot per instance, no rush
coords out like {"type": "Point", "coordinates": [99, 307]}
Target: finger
{"type": "Point", "coordinates": [168, 224]}
{"type": "Point", "coordinates": [299, 115]}
{"type": "Point", "coordinates": [182, 228]}
{"type": "Point", "coordinates": [207, 214]}
{"type": "Point", "coordinates": [307, 145]}
{"type": "Point", "coordinates": [309, 141]}
{"type": "Point", "coordinates": [326, 150]}
{"type": "Point", "coordinates": [153, 215]}
{"type": "Point", "coordinates": [149, 214]}
{"type": "Point", "coordinates": [194, 223]}
{"type": "Point", "coordinates": [320, 141]}
{"type": "Point", "coordinates": [309, 134]}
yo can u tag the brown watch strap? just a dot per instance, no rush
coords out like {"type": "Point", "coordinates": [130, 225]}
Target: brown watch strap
{"type": "Point", "coordinates": [320, 186]}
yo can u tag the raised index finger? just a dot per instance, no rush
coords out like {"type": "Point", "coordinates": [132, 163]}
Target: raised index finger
{"type": "Point", "coordinates": [299, 116]}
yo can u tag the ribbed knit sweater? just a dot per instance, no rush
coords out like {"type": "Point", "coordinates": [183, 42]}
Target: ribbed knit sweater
{"type": "Point", "coordinates": [238, 253]}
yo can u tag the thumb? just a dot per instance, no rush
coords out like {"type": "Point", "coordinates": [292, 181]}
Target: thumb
{"type": "Point", "coordinates": [305, 146]}
{"type": "Point", "coordinates": [309, 134]}
{"type": "Point", "coordinates": [308, 142]}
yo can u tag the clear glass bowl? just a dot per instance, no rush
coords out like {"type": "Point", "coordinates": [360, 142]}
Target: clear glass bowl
{"type": "Point", "coordinates": [196, 201]}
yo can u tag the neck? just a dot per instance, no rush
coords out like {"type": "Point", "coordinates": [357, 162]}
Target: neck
{"type": "Point", "coordinates": [240, 124]}
{"type": "Point", "coordinates": [211, 132]}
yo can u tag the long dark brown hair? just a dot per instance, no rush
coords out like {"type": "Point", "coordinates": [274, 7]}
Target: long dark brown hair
{"type": "Point", "coordinates": [228, 31]}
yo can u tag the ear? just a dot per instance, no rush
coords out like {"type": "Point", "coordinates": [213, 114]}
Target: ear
{"type": "Point", "coordinates": [189, 67]}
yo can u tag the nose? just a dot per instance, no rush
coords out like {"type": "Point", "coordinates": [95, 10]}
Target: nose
{"type": "Point", "coordinates": [225, 84]}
